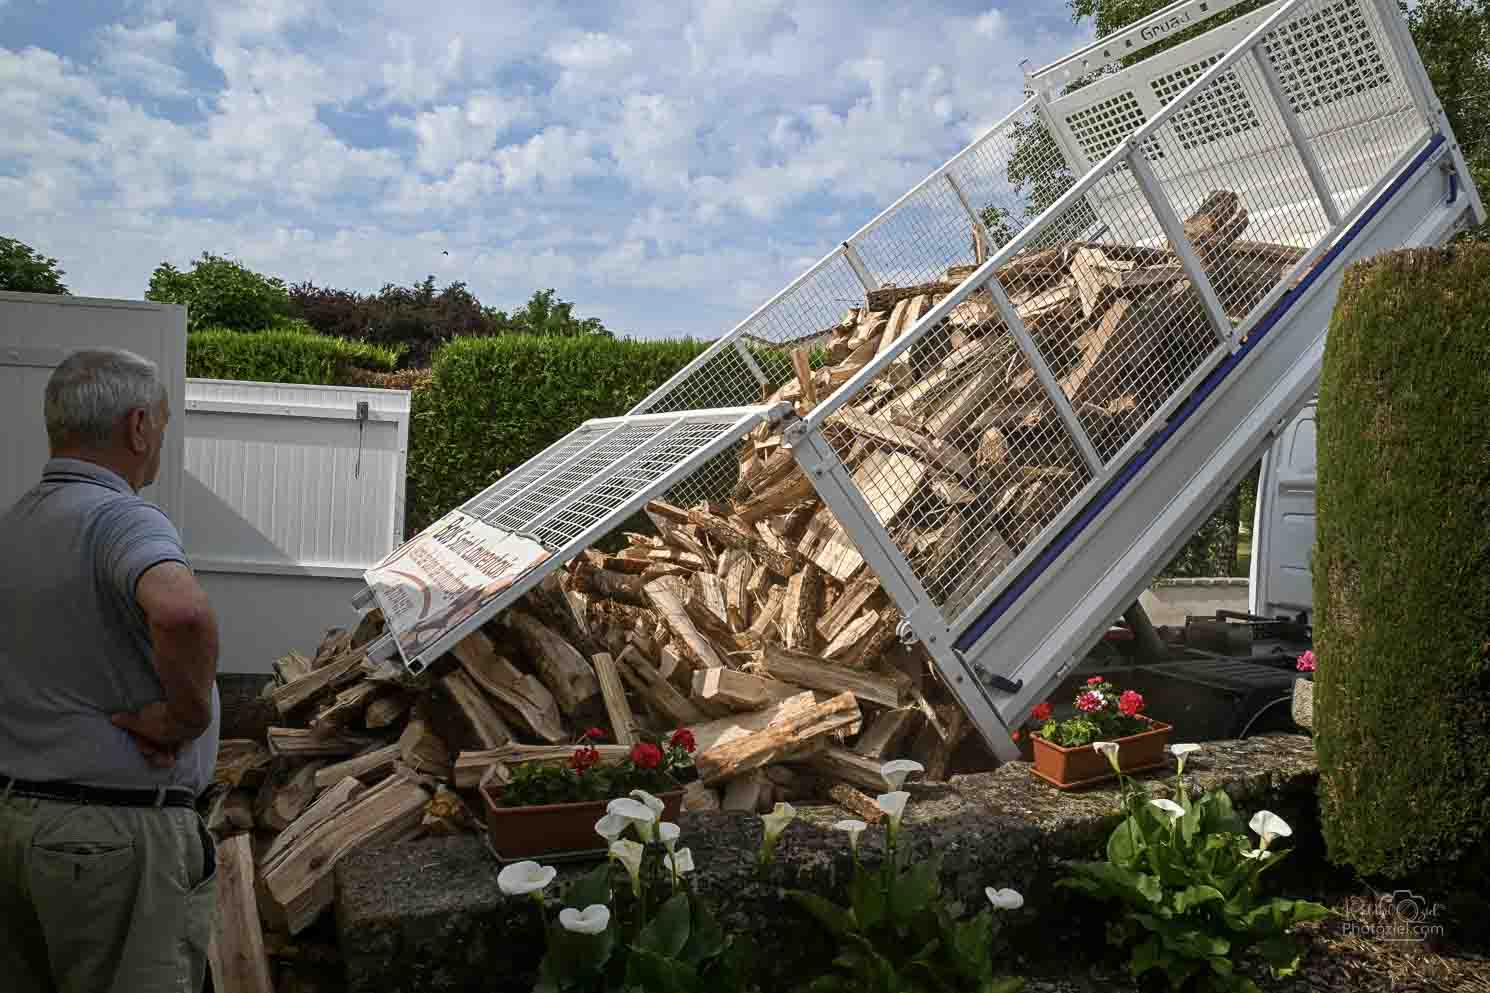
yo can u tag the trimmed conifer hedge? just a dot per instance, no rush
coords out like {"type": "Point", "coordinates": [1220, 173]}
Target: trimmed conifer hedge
{"type": "Point", "coordinates": [290, 353]}
{"type": "Point", "coordinates": [1402, 566]}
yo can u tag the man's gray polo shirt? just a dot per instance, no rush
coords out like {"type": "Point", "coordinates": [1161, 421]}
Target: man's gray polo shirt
{"type": "Point", "coordinates": [74, 643]}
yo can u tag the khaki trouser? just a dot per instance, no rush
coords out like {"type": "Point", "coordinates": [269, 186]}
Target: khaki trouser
{"type": "Point", "coordinates": [103, 899]}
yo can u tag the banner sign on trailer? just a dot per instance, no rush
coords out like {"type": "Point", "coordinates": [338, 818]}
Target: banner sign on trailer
{"type": "Point", "coordinates": [434, 582]}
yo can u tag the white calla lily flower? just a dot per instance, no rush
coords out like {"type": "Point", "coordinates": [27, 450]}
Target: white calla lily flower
{"type": "Point", "coordinates": [895, 771]}
{"type": "Point", "coordinates": [636, 812]}
{"type": "Point", "coordinates": [612, 826]}
{"type": "Point", "coordinates": [1179, 752]}
{"type": "Point", "coordinates": [1268, 825]}
{"type": "Point", "coordinates": [1255, 853]}
{"type": "Point", "coordinates": [1004, 899]}
{"type": "Point", "coordinates": [592, 920]}
{"type": "Point", "coordinates": [629, 854]}
{"type": "Point", "coordinates": [1171, 809]}
{"type": "Point", "coordinates": [1109, 749]}
{"type": "Point", "coordinates": [523, 878]}
{"type": "Point", "coordinates": [775, 822]}
{"type": "Point", "coordinates": [679, 862]}
{"type": "Point", "coordinates": [893, 804]}
{"type": "Point", "coordinates": [854, 827]}
{"type": "Point", "coordinates": [667, 833]}
{"type": "Point", "coordinates": [642, 796]}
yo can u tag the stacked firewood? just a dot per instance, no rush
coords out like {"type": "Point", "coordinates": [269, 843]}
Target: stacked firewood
{"type": "Point", "coordinates": [754, 621]}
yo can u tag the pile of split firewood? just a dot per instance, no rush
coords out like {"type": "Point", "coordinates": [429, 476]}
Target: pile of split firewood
{"type": "Point", "coordinates": [754, 621]}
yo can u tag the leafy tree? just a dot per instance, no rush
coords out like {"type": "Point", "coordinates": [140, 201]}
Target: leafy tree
{"type": "Point", "coordinates": [219, 292]}
{"type": "Point", "coordinates": [1453, 38]}
{"type": "Point", "coordinates": [547, 316]}
{"type": "Point", "coordinates": [25, 270]}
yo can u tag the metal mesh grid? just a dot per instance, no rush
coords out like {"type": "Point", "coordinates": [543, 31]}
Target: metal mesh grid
{"type": "Point", "coordinates": [509, 485]}
{"type": "Point", "coordinates": [928, 232]}
{"type": "Point", "coordinates": [1012, 177]}
{"type": "Point", "coordinates": [725, 379]}
{"type": "Point", "coordinates": [1219, 112]}
{"type": "Point", "coordinates": [538, 498]}
{"type": "Point", "coordinates": [664, 457]}
{"type": "Point", "coordinates": [1101, 127]}
{"type": "Point", "coordinates": [1353, 100]}
{"type": "Point", "coordinates": [1248, 217]}
{"type": "Point", "coordinates": [960, 457]}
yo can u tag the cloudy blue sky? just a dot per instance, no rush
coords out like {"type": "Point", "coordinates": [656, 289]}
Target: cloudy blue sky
{"type": "Point", "coordinates": [666, 166]}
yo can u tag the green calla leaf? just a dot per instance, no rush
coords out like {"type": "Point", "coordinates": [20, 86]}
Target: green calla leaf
{"type": "Point", "coordinates": [1281, 952]}
{"type": "Point", "coordinates": [667, 932]}
{"type": "Point", "coordinates": [706, 938]}
{"type": "Point", "coordinates": [838, 921]}
{"type": "Point", "coordinates": [868, 899]}
{"type": "Point", "coordinates": [651, 971]}
{"type": "Point", "coordinates": [914, 889]}
{"type": "Point", "coordinates": [1194, 896]}
{"type": "Point", "coordinates": [591, 888]}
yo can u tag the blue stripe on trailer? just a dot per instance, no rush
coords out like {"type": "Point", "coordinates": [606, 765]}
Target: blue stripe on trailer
{"type": "Point", "coordinates": [1114, 486]}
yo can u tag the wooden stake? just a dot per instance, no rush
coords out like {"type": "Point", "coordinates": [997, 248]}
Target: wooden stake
{"type": "Point", "coordinates": [622, 721]}
{"type": "Point", "coordinates": [235, 950]}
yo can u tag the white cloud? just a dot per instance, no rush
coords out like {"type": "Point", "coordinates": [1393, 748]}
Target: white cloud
{"type": "Point", "coordinates": [629, 155]}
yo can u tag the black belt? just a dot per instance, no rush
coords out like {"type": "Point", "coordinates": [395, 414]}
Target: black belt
{"type": "Point", "coordinates": [72, 793]}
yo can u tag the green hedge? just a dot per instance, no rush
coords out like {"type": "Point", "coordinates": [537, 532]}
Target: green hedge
{"type": "Point", "coordinates": [491, 403]}
{"type": "Point", "coordinates": [290, 353]}
{"type": "Point", "coordinates": [1402, 566]}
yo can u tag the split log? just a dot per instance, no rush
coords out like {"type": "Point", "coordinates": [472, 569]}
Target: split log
{"type": "Point", "coordinates": [697, 797]}
{"type": "Point", "coordinates": [369, 765]}
{"type": "Point", "coordinates": [622, 721]}
{"type": "Point", "coordinates": [659, 694]}
{"type": "Point", "coordinates": [291, 666]}
{"type": "Point", "coordinates": [850, 637]}
{"type": "Point", "coordinates": [744, 792]}
{"type": "Point", "coordinates": [878, 641]}
{"type": "Point", "coordinates": [623, 587]}
{"type": "Point", "coordinates": [337, 796]}
{"type": "Point", "coordinates": [446, 814]}
{"type": "Point", "coordinates": [934, 749]}
{"type": "Point", "coordinates": [859, 593]}
{"type": "Point", "coordinates": [283, 798]}
{"type": "Point", "coordinates": [422, 750]}
{"type": "Point", "coordinates": [803, 372]}
{"type": "Point", "coordinates": [328, 677]}
{"type": "Point", "coordinates": [348, 706]}
{"type": "Point", "coordinates": [387, 711]}
{"type": "Point", "coordinates": [232, 811]}
{"type": "Point", "coordinates": [938, 452]}
{"type": "Point", "coordinates": [563, 669]}
{"type": "Point", "coordinates": [827, 546]}
{"type": "Point", "coordinates": [737, 592]}
{"type": "Point", "coordinates": [794, 489]}
{"type": "Point", "coordinates": [767, 623]}
{"type": "Point", "coordinates": [884, 735]}
{"type": "Point", "coordinates": [235, 950]}
{"type": "Point", "coordinates": [706, 605]}
{"type": "Point", "coordinates": [299, 886]}
{"type": "Point", "coordinates": [470, 767]}
{"type": "Point", "coordinates": [523, 695]}
{"type": "Point", "coordinates": [739, 690]}
{"type": "Point", "coordinates": [774, 743]}
{"type": "Point", "coordinates": [335, 643]}
{"type": "Point", "coordinates": [799, 609]}
{"type": "Point", "coordinates": [731, 534]}
{"type": "Point", "coordinates": [850, 767]}
{"type": "Point", "coordinates": [736, 726]}
{"type": "Point", "coordinates": [668, 599]}
{"type": "Point", "coordinates": [819, 674]}
{"type": "Point", "coordinates": [1219, 220]}
{"type": "Point", "coordinates": [303, 743]}
{"type": "Point", "coordinates": [481, 718]}
{"type": "Point", "coordinates": [856, 803]}
{"type": "Point", "coordinates": [240, 762]}
{"type": "Point", "coordinates": [888, 481]}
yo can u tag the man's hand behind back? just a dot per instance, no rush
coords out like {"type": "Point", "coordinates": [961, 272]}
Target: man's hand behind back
{"type": "Point", "coordinates": [155, 733]}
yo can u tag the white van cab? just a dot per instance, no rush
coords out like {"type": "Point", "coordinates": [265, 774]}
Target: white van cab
{"type": "Point", "coordinates": [1283, 528]}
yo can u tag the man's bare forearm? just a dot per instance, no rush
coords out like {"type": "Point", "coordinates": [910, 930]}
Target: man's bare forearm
{"type": "Point", "coordinates": [186, 662]}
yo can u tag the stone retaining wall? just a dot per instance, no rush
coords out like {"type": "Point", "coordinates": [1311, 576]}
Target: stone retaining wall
{"type": "Point", "coordinates": [428, 916]}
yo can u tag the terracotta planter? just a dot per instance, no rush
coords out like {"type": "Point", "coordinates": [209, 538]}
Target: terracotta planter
{"type": "Point", "coordinates": [529, 832]}
{"type": "Point", "coordinates": [1067, 768]}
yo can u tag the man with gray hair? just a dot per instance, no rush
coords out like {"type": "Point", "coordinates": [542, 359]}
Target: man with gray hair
{"type": "Point", "coordinates": [108, 705]}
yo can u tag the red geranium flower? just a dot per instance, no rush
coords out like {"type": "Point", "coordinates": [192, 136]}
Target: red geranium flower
{"type": "Point", "coordinates": [646, 755]}
{"type": "Point", "coordinates": [683, 738]}
{"type": "Point", "coordinates": [595, 734]}
{"type": "Point", "coordinates": [1090, 703]}
{"type": "Point", "coordinates": [1130, 703]}
{"type": "Point", "coordinates": [1306, 662]}
{"type": "Point", "coordinates": [1041, 711]}
{"type": "Point", "coordinates": [1094, 681]}
{"type": "Point", "coordinates": [1015, 736]}
{"type": "Point", "coordinates": [583, 758]}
